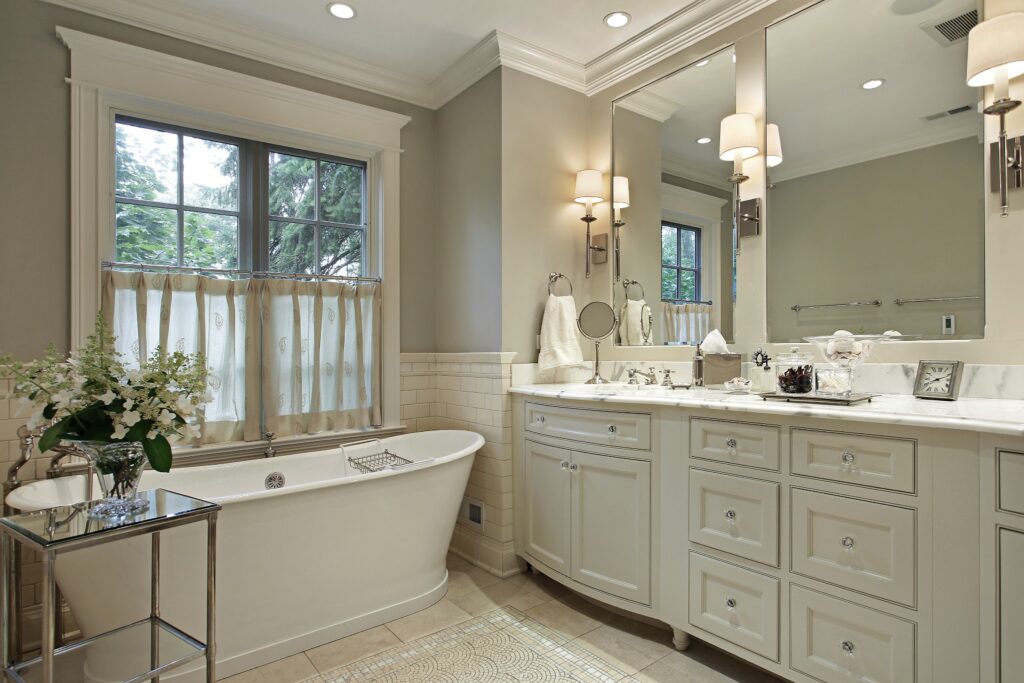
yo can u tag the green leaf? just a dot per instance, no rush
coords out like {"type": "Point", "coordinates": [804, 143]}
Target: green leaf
{"type": "Point", "coordinates": [138, 431]}
{"type": "Point", "coordinates": [49, 411]}
{"type": "Point", "coordinates": [52, 436]}
{"type": "Point", "coordinates": [158, 451]}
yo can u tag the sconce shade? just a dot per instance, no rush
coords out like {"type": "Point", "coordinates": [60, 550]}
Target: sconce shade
{"type": "Point", "coordinates": [993, 44]}
{"type": "Point", "coordinates": [589, 186]}
{"type": "Point", "coordinates": [620, 192]}
{"type": "Point", "coordinates": [774, 145]}
{"type": "Point", "coordinates": [738, 137]}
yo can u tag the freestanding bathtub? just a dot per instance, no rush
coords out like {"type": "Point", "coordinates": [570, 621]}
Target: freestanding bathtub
{"type": "Point", "coordinates": [331, 553]}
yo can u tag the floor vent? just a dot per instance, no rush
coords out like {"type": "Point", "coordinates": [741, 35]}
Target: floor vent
{"type": "Point", "coordinates": [948, 113]}
{"type": "Point", "coordinates": [952, 29]}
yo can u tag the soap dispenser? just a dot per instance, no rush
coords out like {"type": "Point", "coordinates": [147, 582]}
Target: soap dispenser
{"type": "Point", "coordinates": [698, 368]}
{"type": "Point", "coordinates": [761, 376]}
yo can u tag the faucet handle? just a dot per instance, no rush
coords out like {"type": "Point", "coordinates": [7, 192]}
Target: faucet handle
{"type": "Point", "coordinates": [667, 381]}
{"type": "Point", "coordinates": [632, 376]}
{"type": "Point", "coordinates": [268, 436]}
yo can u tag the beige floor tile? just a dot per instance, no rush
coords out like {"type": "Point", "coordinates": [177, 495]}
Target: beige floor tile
{"type": "Point", "coordinates": [544, 585]}
{"type": "Point", "coordinates": [504, 593]}
{"type": "Point", "coordinates": [627, 647]}
{"type": "Point", "coordinates": [453, 561]}
{"type": "Point", "coordinates": [442, 615]}
{"type": "Point", "coordinates": [563, 619]}
{"type": "Point", "coordinates": [289, 670]}
{"type": "Point", "coordinates": [353, 648]}
{"type": "Point", "coordinates": [702, 663]}
{"type": "Point", "coordinates": [467, 579]}
{"type": "Point", "coordinates": [584, 606]}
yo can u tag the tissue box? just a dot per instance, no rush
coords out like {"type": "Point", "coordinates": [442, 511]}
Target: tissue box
{"type": "Point", "coordinates": [719, 368]}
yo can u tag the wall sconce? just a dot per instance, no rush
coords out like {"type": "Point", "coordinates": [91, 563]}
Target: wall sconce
{"type": "Point", "coordinates": [590, 191]}
{"type": "Point", "coordinates": [774, 144]}
{"type": "Point", "coordinates": [737, 142]}
{"type": "Point", "coordinates": [620, 201]}
{"type": "Point", "coordinates": [995, 55]}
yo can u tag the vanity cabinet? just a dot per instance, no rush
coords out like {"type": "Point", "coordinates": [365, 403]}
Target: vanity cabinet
{"type": "Point", "coordinates": [587, 515]}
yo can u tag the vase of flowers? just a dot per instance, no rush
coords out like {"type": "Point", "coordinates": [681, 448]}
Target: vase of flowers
{"type": "Point", "coordinates": [118, 417]}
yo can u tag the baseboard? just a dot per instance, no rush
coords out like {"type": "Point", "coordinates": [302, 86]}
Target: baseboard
{"type": "Point", "coordinates": [493, 556]}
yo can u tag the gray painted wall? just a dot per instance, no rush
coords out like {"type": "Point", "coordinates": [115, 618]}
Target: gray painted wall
{"type": "Point", "coordinates": [909, 225]}
{"type": "Point", "coordinates": [34, 173]}
{"type": "Point", "coordinates": [468, 250]}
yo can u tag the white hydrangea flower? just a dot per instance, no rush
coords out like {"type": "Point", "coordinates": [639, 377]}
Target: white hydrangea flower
{"type": "Point", "coordinates": [131, 417]}
{"type": "Point", "coordinates": [166, 417]}
{"type": "Point", "coordinates": [120, 431]}
{"type": "Point", "coordinates": [108, 397]}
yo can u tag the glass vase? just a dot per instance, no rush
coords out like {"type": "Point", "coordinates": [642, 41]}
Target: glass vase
{"type": "Point", "coordinates": [118, 467]}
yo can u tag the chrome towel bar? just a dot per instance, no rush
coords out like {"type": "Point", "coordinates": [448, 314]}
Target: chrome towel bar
{"type": "Point", "coordinates": [799, 307]}
{"type": "Point", "coordinates": [900, 302]}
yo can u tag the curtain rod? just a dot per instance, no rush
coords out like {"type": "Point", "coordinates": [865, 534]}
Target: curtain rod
{"type": "Point", "coordinates": [259, 274]}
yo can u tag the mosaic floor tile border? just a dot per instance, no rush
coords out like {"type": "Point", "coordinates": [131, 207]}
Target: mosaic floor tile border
{"type": "Point", "coordinates": [502, 646]}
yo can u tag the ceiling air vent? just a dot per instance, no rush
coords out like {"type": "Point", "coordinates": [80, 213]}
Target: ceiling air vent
{"type": "Point", "coordinates": [952, 29]}
{"type": "Point", "coordinates": [948, 113]}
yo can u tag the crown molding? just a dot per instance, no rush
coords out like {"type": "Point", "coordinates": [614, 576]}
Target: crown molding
{"type": "Point", "coordinates": [694, 22]}
{"type": "Point", "coordinates": [647, 103]}
{"type": "Point", "coordinates": [697, 20]}
{"type": "Point", "coordinates": [677, 167]}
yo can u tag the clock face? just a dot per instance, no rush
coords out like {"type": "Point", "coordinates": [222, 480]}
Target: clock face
{"type": "Point", "coordinates": [937, 380]}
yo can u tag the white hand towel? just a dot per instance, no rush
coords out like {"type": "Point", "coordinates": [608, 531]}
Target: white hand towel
{"type": "Point", "coordinates": [559, 345]}
{"type": "Point", "coordinates": [714, 343]}
{"type": "Point", "coordinates": [631, 329]}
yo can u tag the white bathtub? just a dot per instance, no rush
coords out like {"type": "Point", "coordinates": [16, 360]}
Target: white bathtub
{"type": "Point", "coordinates": [331, 553]}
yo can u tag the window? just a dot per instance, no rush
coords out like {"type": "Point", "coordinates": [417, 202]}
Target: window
{"type": "Point", "coordinates": [680, 263]}
{"type": "Point", "coordinates": [187, 198]}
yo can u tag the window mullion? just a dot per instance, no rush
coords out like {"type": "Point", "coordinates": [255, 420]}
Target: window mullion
{"type": "Point", "coordinates": [181, 199]}
{"type": "Point", "coordinates": [316, 217]}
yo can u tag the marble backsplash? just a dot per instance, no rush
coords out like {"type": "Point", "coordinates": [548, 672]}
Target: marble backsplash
{"type": "Point", "coordinates": [979, 381]}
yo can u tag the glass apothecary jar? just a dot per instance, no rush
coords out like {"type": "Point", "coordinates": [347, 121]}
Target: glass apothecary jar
{"type": "Point", "coordinates": [794, 372]}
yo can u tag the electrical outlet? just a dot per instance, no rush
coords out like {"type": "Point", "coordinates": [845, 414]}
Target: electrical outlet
{"type": "Point", "coordinates": [472, 512]}
{"type": "Point", "coordinates": [949, 324]}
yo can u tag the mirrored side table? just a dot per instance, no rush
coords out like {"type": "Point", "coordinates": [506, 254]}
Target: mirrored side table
{"type": "Point", "coordinates": [146, 648]}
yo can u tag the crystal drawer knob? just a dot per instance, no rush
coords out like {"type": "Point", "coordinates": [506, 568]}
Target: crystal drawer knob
{"type": "Point", "coordinates": [731, 443]}
{"type": "Point", "coordinates": [541, 419]}
{"type": "Point", "coordinates": [848, 647]}
{"type": "Point", "coordinates": [848, 542]}
{"type": "Point", "coordinates": [573, 467]}
{"type": "Point", "coordinates": [730, 603]}
{"type": "Point", "coordinates": [730, 515]}
{"type": "Point", "coordinates": [612, 429]}
{"type": "Point", "coordinates": [564, 464]}
{"type": "Point", "coordinates": [848, 457]}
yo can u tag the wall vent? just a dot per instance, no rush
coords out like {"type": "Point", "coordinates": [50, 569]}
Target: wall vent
{"type": "Point", "coordinates": [952, 29]}
{"type": "Point", "coordinates": [472, 513]}
{"type": "Point", "coordinates": [948, 113]}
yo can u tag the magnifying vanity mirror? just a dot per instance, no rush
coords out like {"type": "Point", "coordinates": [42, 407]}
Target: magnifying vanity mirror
{"type": "Point", "coordinates": [676, 280]}
{"type": "Point", "coordinates": [876, 215]}
{"type": "Point", "coordinates": [597, 321]}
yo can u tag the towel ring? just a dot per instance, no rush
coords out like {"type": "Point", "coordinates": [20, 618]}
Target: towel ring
{"type": "Point", "coordinates": [626, 284]}
{"type": "Point", "coordinates": [555, 277]}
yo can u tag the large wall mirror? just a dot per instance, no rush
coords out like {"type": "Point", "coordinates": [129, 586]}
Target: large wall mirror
{"type": "Point", "coordinates": [876, 215]}
{"type": "Point", "coordinates": [676, 279]}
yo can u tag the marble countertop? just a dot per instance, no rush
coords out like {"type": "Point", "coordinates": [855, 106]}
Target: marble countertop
{"type": "Point", "coordinates": [990, 415]}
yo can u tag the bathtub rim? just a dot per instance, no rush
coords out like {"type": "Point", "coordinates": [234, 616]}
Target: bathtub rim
{"type": "Point", "coordinates": [475, 441]}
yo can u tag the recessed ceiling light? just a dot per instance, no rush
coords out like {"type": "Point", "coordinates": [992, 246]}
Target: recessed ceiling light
{"type": "Point", "coordinates": [617, 19]}
{"type": "Point", "coordinates": [873, 83]}
{"type": "Point", "coordinates": [703, 62]}
{"type": "Point", "coordinates": [341, 10]}
{"type": "Point", "coordinates": [703, 141]}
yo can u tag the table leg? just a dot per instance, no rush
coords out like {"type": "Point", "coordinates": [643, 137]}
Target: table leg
{"type": "Point", "coordinates": [47, 639]}
{"type": "Point", "coordinates": [211, 598]}
{"type": "Point", "coordinates": [154, 601]}
{"type": "Point", "coordinates": [5, 598]}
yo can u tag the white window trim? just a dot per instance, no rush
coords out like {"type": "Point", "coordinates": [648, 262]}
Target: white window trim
{"type": "Point", "coordinates": [110, 78]}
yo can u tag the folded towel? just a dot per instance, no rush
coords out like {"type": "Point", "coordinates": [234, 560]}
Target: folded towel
{"type": "Point", "coordinates": [714, 343]}
{"type": "Point", "coordinates": [559, 345]}
{"type": "Point", "coordinates": [633, 322]}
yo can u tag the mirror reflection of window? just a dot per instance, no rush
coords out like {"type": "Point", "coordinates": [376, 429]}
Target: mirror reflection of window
{"type": "Point", "coordinates": [680, 263]}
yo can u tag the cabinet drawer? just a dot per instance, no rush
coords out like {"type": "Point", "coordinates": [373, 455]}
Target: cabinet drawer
{"type": "Point", "coordinates": [860, 545]}
{"type": "Point", "coordinates": [877, 461]}
{"type": "Point", "coordinates": [603, 427]}
{"type": "Point", "coordinates": [1011, 605]}
{"type": "Point", "coordinates": [835, 640]}
{"type": "Point", "coordinates": [1011, 482]}
{"type": "Point", "coordinates": [738, 443]}
{"type": "Point", "coordinates": [736, 604]}
{"type": "Point", "coordinates": [736, 514]}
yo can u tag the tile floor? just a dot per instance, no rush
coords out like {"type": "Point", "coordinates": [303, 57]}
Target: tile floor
{"type": "Point", "coordinates": [525, 623]}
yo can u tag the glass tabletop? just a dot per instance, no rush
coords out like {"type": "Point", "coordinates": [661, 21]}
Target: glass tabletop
{"type": "Point", "coordinates": [67, 524]}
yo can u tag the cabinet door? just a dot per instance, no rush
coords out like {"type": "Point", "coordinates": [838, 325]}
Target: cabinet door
{"type": "Point", "coordinates": [611, 525]}
{"type": "Point", "coordinates": [547, 504]}
{"type": "Point", "coordinates": [1011, 605]}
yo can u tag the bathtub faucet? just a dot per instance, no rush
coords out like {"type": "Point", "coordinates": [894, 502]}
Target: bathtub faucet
{"type": "Point", "coordinates": [269, 451]}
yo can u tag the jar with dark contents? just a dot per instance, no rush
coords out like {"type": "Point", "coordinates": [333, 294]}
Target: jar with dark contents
{"type": "Point", "coordinates": [795, 372]}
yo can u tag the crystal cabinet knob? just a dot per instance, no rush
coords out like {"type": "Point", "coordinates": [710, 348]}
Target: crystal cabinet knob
{"type": "Point", "coordinates": [848, 647]}
{"type": "Point", "coordinates": [848, 457]}
{"type": "Point", "coordinates": [541, 419]}
{"type": "Point", "coordinates": [612, 429]}
{"type": "Point", "coordinates": [848, 542]}
{"type": "Point", "coordinates": [731, 443]}
{"type": "Point", "coordinates": [564, 464]}
{"type": "Point", "coordinates": [573, 467]}
{"type": "Point", "coordinates": [730, 515]}
{"type": "Point", "coordinates": [730, 604]}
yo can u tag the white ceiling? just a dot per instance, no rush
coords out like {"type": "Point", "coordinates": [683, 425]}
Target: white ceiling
{"type": "Point", "coordinates": [422, 38]}
{"type": "Point", "coordinates": [826, 119]}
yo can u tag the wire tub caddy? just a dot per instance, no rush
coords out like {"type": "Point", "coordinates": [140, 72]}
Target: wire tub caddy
{"type": "Point", "coordinates": [377, 462]}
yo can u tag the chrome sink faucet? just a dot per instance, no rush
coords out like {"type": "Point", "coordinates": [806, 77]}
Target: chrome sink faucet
{"type": "Point", "coordinates": [650, 377]}
{"type": "Point", "coordinates": [269, 451]}
{"type": "Point", "coordinates": [666, 381]}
